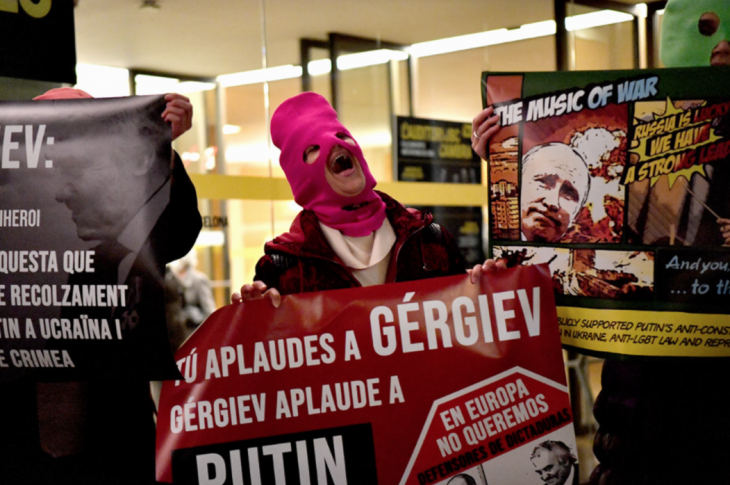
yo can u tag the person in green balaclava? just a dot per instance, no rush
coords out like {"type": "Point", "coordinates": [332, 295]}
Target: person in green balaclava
{"type": "Point", "coordinates": [666, 422]}
{"type": "Point", "coordinates": [696, 33]}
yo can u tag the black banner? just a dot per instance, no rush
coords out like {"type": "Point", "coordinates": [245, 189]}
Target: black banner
{"type": "Point", "coordinates": [436, 151]}
{"type": "Point", "coordinates": [37, 40]}
{"type": "Point", "coordinates": [335, 455]}
{"type": "Point", "coordinates": [440, 151]}
{"type": "Point", "coordinates": [84, 193]}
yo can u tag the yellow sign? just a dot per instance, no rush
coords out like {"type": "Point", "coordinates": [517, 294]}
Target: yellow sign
{"type": "Point", "coordinates": [637, 332]}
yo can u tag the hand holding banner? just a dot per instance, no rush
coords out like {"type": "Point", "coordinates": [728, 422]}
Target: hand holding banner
{"type": "Point", "coordinates": [406, 383]}
{"type": "Point", "coordinates": [89, 216]}
{"type": "Point", "coordinates": [616, 179]}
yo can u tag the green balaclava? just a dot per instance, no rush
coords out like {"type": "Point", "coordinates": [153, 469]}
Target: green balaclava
{"type": "Point", "coordinates": [685, 41]}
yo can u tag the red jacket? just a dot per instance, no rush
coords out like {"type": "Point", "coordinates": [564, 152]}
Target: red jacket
{"type": "Point", "coordinates": [302, 260]}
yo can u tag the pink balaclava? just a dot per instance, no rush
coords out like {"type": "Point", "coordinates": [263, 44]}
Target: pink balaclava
{"type": "Point", "coordinates": [306, 120]}
{"type": "Point", "coordinates": [63, 93]}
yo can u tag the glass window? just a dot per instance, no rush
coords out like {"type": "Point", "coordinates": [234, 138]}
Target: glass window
{"type": "Point", "coordinates": [238, 61]}
{"type": "Point", "coordinates": [601, 39]}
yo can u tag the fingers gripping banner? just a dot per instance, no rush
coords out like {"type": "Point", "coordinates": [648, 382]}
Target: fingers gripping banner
{"type": "Point", "coordinates": [617, 180]}
{"type": "Point", "coordinates": [84, 193]}
{"type": "Point", "coordinates": [406, 383]}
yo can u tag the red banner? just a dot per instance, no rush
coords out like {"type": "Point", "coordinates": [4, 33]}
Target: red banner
{"type": "Point", "coordinates": [407, 383]}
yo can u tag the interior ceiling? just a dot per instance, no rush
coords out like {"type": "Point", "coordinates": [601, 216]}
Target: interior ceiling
{"type": "Point", "coordinates": [211, 37]}
{"type": "Point", "coordinates": [222, 36]}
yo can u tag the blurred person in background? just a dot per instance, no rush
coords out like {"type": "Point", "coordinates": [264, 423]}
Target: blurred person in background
{"type": "Point", "coordinates": [198, 301]}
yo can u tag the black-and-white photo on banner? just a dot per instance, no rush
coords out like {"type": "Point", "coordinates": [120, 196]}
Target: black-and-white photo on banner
{"type": "Point", "coordinates": [88, 220]}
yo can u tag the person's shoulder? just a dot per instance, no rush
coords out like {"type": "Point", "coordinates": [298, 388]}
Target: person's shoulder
{"type": "Point", "coordinates": [295, 236]}
{"type": "Point", "coordinates": [279, 261]}
{"type": "Point", "coordinates": [304, 238]}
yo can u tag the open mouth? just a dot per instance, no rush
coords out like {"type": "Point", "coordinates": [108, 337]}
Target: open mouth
{"type": "Point", "coordinates": [344, 173]}
{"type": "Point", "coordinates": [342, 163]}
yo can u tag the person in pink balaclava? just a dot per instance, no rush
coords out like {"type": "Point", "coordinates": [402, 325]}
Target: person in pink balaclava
{"type": "Point", "coordinates": [348, 235]}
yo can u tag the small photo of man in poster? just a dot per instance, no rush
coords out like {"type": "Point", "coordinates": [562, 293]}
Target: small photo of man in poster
{"type": "Point", "coordinates": [567, 189]}
{"type": "Point", "coordinates": [550, 460]}
{"type": "Point", "coordinates": [554, 463]}
{"type": "Point", "coordinates": [570, 174]}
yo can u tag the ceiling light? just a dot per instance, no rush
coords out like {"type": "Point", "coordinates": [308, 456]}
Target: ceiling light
{"type": "Point", "coordinates": [527, 31]}
{"type": "Point", "coordinates": [531, 31]}
{"type": "Point", "coordinates": [102, 81]}
{"type": "Point", "coordinates": [231, 129]}
{"type": "Point", "coordinates": [147, 84]}
{"type": "Point", "coordinates": [423, 49]}
{"type": "Point", "coordinates": [483, 39]}
{"type": "Point", "coordinates": [260, 75]}
{"type": "Point", "coordinates": [596, 19]}
{"type": "Point", "coordinates": [321, 66]}
{"type": "Point", "coordinates": [186, 87]}
{"type": "Point", "coordinates": [369, 58]}
{"type": "Point", "coordinates": [453, 44]}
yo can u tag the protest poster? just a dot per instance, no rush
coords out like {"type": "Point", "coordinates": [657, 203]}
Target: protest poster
{"type": "Point", "coordinates": [440, 151]}
{"type": "Point", "coordinates": [617, 180]}
{"type": "Point", "coordinates": [405, 383]}
{"type": "Point", "coordinates": [84, 217]}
